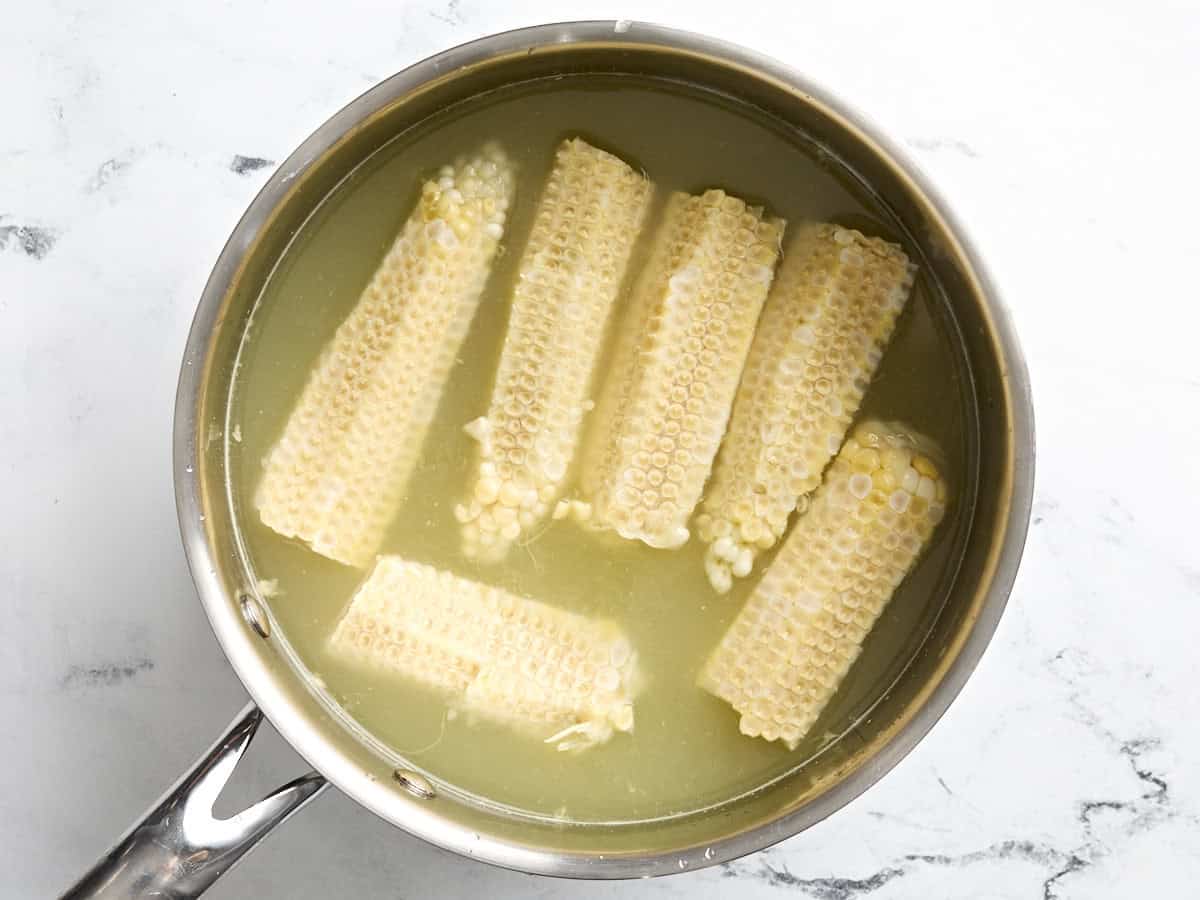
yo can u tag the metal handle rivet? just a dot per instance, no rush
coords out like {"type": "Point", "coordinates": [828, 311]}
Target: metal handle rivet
{"type": "Point", "coordinates": [415, 784]}
{"type": "Point", "coordinates": [254, 615]}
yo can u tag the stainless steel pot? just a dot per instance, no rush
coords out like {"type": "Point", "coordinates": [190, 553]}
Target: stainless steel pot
{"type": "Point", "coordinates": [179, 849]}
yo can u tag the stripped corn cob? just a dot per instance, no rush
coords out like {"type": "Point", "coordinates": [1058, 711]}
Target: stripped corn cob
{"type": "Point", "coordinates": [789, 648]}
{"type": "Point", "coordinates": [590, 214]}
{"type": "Point", "coordinates": [826, 322]}
{"type": "Point", "coordinates": [679, 355]}
{"type": "Point", "coordinates": [552, 674]}
{"type": "Point", "coordinates": [338, 472]}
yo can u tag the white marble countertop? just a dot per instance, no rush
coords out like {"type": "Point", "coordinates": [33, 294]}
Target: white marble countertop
{"type": "Point", "coordinates": [1063, 133]}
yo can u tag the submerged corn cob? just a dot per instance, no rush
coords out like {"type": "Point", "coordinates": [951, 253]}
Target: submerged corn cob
{"type": "Point", "coordinates": [680, 352]}
{"type": "Point", "coordinates": [789, 648]}
{"type": "Point", "coordinates": [338, 472]}
{"type": "Point", "coordinates": [555, 675]}
{"type": "Point", "coordinates": [823, 330]}
{"type": "Point", "coordinates": [589, 217]}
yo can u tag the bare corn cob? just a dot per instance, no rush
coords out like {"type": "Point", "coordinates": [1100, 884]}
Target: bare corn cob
{"type": "Point", "coordinates": [789, 648]}
{"type": "Point", "coordinates": [590, 214]}
{"type": "Point", "coordinates": [559, 676]}
{"type": "Point", "coordinates": [338, 472]}
{"type": "Point", "coordinates": [679, 355]}
{"type": "Point", "coordinates": [823, 330]}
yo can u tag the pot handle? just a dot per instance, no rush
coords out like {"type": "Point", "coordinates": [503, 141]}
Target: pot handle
{"type": "Point", "coordinates": [179, 848]}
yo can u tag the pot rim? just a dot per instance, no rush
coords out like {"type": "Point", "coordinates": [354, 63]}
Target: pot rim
{"type": "Point", "coordinates": [245, 656]}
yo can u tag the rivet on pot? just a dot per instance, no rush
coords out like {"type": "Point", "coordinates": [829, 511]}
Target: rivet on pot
{"type": "Point", "coordinates": [415, 784]}
{"type": "Point", "coordinates": [254, 615]}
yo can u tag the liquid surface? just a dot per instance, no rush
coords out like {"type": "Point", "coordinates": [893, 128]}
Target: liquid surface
{"type": "Point", "coordinates": [686, 752]}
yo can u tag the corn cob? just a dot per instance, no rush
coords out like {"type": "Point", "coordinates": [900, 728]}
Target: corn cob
{"type": "Point", "coordinates": [337, 474]}
{"type": "Point", "coordinates": [589, 217]}
{"type": "Point", "coordinates": [789, 648]}
{"type": "Point", "coordinates": [823, 330]}
{"type": "Point", "coordinates": [558, 676]}
{"type": "Point", "coordinates": [679, 354]}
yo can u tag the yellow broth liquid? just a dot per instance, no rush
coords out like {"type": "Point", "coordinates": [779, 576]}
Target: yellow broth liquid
{"type": "Point", "coordinates": [685, 753]}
